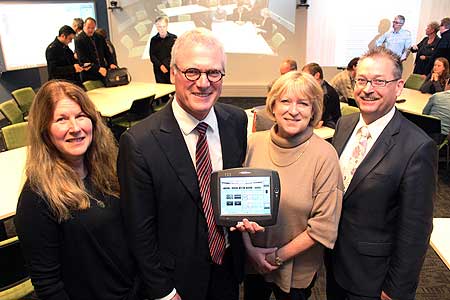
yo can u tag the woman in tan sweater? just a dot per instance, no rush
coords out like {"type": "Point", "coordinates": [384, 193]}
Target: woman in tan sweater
{"type": "Point", "coordinates": [286, 257]}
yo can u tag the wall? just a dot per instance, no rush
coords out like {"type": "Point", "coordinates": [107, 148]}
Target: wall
{"type": "Point", "coordinates": [35, 77]}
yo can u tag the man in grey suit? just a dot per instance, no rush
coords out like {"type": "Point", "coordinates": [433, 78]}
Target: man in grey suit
{"type": "Point", "coordinates": [180, 253]}
{"type": "Point", "coordinates": [389, 167]}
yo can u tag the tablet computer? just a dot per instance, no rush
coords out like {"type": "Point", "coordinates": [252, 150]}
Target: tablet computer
{"type": "Point", "coordinates": [248, 193]}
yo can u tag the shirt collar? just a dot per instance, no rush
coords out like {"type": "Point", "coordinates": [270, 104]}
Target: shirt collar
{"type": "Point", "coordinates": [188, 123]}
{"type": "Point", "coordinates": [376, 127]}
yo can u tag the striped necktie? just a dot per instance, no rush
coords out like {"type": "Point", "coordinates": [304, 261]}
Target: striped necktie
{"type": "Point", "coordinates": [216, 239]}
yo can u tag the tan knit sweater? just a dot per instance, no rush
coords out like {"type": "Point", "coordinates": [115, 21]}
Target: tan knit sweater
{"type": "Point", "coordinates": [311, 199]}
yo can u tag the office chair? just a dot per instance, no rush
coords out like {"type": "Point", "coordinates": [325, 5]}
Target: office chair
{"type": "Point", "coordinates": [139, 110]}
{"type": "Point", "coordinates": [15, 282]}
{"type": "Point", "coordinates": [93, 84]}
{"type": "Point", "coordinates": [11, 111]}
{"type": "Point", "coordinates": [24, 97]}
{"type": "Point", "coordinates": [277, 40]}
{"type": "Point", "coordinates": [15, 135]}
{"type": "Point", "coordinates": [414, 82]}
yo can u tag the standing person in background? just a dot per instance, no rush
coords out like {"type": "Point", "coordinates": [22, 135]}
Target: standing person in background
{"type": "Point", "coordinates": [77, 25]}
{"type": "Point", "coordinates": [389, 167]}
{"type": "Point", "coordinates": [61, 63]}
{"type": "Point", "coordinates": [443, 47]}
{"type": "Point", "coordinates": [91, 49]}
{"type": "Point", "coordinates": [68, 217]}
{"type": "Point", "coordinates": [160, 50]}
{"type": "Point", "coordinates": [425, 48]}
{"type": "Point", "coordinates": [435, 81]}
{"type": "Point", "coordinates": [285, 258]}
{"type": "Point", "coordinates": [398, 40]}
{"type": "Point", "coordinates": [331, 106]}
{"type": "Point", "coordinates": [111, 48]}
{"type": "Point", "coordinates": [344, 81]}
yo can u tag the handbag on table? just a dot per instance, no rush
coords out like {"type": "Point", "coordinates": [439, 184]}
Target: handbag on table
{"type": "Point", "coordinates": [117, 77]}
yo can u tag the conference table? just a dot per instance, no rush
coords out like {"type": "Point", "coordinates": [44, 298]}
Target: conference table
{"type": "Point", "coordinates": [112, 101]}
{"type": "Point", "coordinates": [439, 239]}
{"type": "Point", "coordinates": [415, 101]}
{"type": "Point", "coordinates": [12, 178]}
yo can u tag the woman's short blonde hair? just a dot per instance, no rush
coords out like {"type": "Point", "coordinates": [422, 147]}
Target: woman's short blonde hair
{"type": "Point", "coordinates": [300, 85]}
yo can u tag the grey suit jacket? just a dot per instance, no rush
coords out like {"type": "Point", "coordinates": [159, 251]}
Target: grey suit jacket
{"type": "Point", "coordinates": [387, 211]}
{"type": "Point", "coordinates": [161, 202]}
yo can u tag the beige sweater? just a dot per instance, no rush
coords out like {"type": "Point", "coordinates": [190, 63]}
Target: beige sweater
{"type": "Point", "coordinates": [311, 199]}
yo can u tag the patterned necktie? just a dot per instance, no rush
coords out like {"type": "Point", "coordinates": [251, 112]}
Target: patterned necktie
{"type": "Point", "coordinates": [216, 237]}
{"type": "Point", "coordinates": [357, 156]}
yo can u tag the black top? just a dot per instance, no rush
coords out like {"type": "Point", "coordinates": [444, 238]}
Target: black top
{"type": "Point", "coordinates": [426, 50]}
{"type": "Point", "coordinates": [431, 87]}
{"type": "Point", "coordinates": [60, 61]}
{"type": "Point", "coordinates": [93, 50]}
{"type": "Point", "coordinates": [331, 106]}
{"type": "Point", "coordinates": [85, 257]}
{"type": "Point", "coordinates": [160, 54]}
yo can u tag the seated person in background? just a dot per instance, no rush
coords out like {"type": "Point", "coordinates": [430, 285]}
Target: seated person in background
{"type": "Point", "coordinates": [425, 48]}
{"type": "Point", "coordinates": [265, 24]}
{"type": "Point", "coordinates": [240, 13]}
{"type": "Point", "coordinates": [331, 106]}
{"type": "Point", "coordinates": [110, 45]}
{"type": "Point", "coordinates": [61, 63]}
{"type": "Point", "coordinates": [286, 66]}
{"type": "Point", "coordinates": [286, 257]}
{"type": "Point", "coordinates": [68, 217]}
{"type": "Point", "coordinates": [344, 81]}
{"type": "Point", "coordinates": [435, 81]}
{"type": "Point", "coordinates": [91, 48]}
{"type": "Point", "coordinates": [439, 106]}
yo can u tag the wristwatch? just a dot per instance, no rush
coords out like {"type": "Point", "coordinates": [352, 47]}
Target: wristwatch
{"type": "Point", "coordinates": [278, 260]}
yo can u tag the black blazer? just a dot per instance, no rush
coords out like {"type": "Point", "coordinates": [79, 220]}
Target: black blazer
{"type": "Point", "coordinates": [60, 61]}
{"type": "Point", "coordinates": [387, 211]}
{"type": "Point", "coordinates": [98, 55]}
{"type": "Point", "coordinates": [161, 202]}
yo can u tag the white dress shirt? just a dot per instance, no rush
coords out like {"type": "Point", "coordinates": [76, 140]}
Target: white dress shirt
{"type": "Point", "coordinates": [375, 129]}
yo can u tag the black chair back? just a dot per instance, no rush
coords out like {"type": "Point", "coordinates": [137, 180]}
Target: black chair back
{"type": "Point", "coordinates": [140, 108]}
{"type": "Point", "coordinates": [429, 124]}
{"type": "Point", "coordinates": [12, 265]}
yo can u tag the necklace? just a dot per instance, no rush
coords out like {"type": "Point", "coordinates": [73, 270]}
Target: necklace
{"type": "Point", "coordinates": [291, 162]}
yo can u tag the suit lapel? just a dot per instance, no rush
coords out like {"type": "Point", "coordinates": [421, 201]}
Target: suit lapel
{"type": "Point", "coordinates": [382, 146]}
{"type": "Point", "coordinates": [226, 135]}
{"type": "Point", "coordinates": [171, 140]}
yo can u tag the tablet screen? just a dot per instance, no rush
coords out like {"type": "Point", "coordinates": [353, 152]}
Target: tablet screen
{"type": "Point", "coordinates": [245, 196]}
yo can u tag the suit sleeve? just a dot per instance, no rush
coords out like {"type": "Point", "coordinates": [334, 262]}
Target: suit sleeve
{"type": "Point", "coordinates": [51, 55]}
{"type": "Point", "coordinates": [415, 222]}
{"type": "Point", "coordinates": [138, 206]}
{"type": "Point", "coordinates": [38, 232]}
{"type": "Point", "coordinates": [83, 50]}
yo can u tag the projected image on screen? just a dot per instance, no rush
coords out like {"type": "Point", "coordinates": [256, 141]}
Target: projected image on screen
{"type": "Point", "coordinates": [245, 196]}
{"type": "Point", "coordinates": [244, 26]}
{"type": "Point", "coordinates": [26, 29]}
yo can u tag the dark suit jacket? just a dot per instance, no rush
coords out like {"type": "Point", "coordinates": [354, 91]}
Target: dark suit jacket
{"type": "Point", "coordinates": [60, 61]}
{"type": "Point", "coordinates": [98, 55]}
{"type": "Point", "coordinates": [442, 50]}
{"type": "Point", "coordinates": [387, 211]}
{"type": "Point", "coordinates": [162, 206]}
{"type": "Point", "coordinates": [331, 106]}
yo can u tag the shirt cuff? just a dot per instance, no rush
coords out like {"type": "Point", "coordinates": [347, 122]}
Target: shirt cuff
{"type": "Point", "coordinates": [168, 297]}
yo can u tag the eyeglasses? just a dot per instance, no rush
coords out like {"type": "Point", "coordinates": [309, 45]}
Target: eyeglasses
{"type": "Point", "coordinates": [193, 74]}
{"type": "Point", "coordinates": [398, 23]}
{"type": "Point", "coordinates": [374, 82]}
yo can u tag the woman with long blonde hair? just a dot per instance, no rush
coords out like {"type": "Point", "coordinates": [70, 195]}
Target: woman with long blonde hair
{"type": "Point", "coordinates": [68, 216]}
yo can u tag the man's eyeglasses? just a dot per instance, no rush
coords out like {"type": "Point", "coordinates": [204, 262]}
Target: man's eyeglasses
{"type": "Point", "coordinates": [193, 74]}
{"type": "Point", "coordinates": [398, 23]}
{"type": "Point", "coordinates": [374, 82]}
